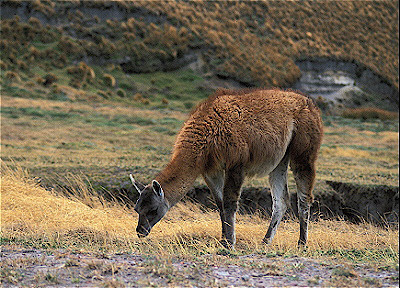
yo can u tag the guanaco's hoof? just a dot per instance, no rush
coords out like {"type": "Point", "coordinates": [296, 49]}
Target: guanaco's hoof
{"type": "Point", "coordinates": [227, 244]}
{"type": "Point", "coordinates": [267, 241]}
{"type": "Point", "coordinates": [301, 245]}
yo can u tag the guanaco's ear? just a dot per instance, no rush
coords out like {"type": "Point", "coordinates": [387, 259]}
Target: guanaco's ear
{"type": "Point", "coordinates": [135, 184]}
{"type": "Point", "coordinates": [157, 188]}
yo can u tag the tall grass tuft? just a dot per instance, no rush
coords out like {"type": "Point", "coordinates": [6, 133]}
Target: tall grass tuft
{"type": "Point", "coordinates": [13, 76]}
{"type": "Point", "coordinates": [109, 80]}
{"type": "Point", "coordinates": [121, 93]}
{"type": "Point", "coordinates": [50, 79]}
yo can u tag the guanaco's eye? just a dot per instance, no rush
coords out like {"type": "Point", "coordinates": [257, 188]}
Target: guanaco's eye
{"type": "Point", "coordinates": [152, 212]}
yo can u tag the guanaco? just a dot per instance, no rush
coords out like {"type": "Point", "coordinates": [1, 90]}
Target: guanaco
{"type": "Point", "coordinates": [234, 134]}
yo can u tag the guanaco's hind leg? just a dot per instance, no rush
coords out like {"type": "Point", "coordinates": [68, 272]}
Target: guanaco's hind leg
{"type": "Point", "coordinates": [280, 197]}
{"type": "Point", "coordinates": [215, 183]}
{"type": "Point", "coordinates": [303, 156]}
{"type": "Point", "coordinates": [233, 184]}
{"type": "Point", "coordinates": [304, 175]}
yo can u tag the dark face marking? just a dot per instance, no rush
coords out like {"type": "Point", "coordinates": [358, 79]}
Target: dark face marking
{"type": "Point", "coordinates": [151, 207]}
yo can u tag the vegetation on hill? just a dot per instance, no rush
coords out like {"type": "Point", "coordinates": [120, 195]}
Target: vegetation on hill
{"type": "Point", "coordinates": [258, 41]}
{"type": "Point", "coordinates": [255, 43]}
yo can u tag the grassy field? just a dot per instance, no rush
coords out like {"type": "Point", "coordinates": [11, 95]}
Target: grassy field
{"type": "Point", "coordinates": [79, 144]}
{"type": "Point", "coordinates": [55, 137]}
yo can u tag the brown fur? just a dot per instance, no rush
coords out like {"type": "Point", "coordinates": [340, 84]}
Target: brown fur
{"type": "Point", "coordinates": [251, 128]}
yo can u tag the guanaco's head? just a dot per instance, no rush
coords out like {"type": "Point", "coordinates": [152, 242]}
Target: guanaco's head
{"type": "Point", "coordinates": [151, 206]}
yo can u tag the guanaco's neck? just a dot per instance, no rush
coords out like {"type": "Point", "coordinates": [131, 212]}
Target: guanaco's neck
{"type": "Point", "coordinates": [178, 176]}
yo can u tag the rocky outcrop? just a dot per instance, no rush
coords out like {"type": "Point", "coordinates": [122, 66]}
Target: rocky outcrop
{"type": "Point", "coordinates": [349, 83]}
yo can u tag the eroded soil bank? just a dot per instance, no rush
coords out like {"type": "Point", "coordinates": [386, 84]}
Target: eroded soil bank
{"type": "Point", "coordinates": [377, 204]}
{"type": "Point", "coordinates": [372, 203]}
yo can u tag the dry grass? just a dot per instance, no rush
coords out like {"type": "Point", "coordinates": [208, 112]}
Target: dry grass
{"type": "Point", "coordinates": [28, 207]}
{"type": "Point", "coordinates": [35, 216]}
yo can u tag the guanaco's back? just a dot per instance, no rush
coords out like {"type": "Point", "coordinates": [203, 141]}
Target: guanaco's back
{"type": "Point", "coordinates": [251, 128]}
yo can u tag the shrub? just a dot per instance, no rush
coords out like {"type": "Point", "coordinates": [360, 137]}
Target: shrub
{"type": "Point", "coordinates": [370, 113]}
{"type": "Point", "coordinates": [121, 93]}
{"type": "Point", "coordinates": [3, 65]}
{"type": "Point", "coordinates": [55, 89]}
{"type": "Point", "coordinates": [33, 51]}
{"type": "Point", "coordinates": [103, 94]}
{"type": "Point", "coordinates": [45, 7]}
{"type": "Point", "coordinates": [109, 80]}
{"type": "Point", "coordinates": [22, 65]}
{"type": "Point", "coordinates": [81, 72]}
{"type": "Point", "coordinates": [111, 23]}
{"type": "Point", "coordinates": [60, 63]}
{"type": "Point", "coordinates": [79, 14]}
{"type": "Point", "coordinates": [109, 93]}
{"type": "Point", "coordinates": [12, 58]}
{"type": "Point", "coordinates": [73, 70]}
{"type": "Point", "coordinates": [90, 73]}
{"type": "Point", "coordinates": [138, 97]}
{"type": "Point", "coordinates": [35, 22]}
{"type": "Point", "coordinates": [70, 47]}
{"type": "Point", "coordinates": [129, 36]}
{"type": "Point", "coordinates": [13, 76]}
{"type": "Point", "coordinates": [110, 67]}
{"type": "Point", "coordinates": [74, 82]}
{"type": "Point", "coordinates": [39, 80]}
{"type": "Point", "coordinates": [50, 79]}
{"type": "Point", "coordinates": [30, 84]}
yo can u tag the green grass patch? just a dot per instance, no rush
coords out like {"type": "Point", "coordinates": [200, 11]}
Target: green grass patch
{"type": "Point", "coordinates": [21, 92]}
{"type": "Point", "coordinates": [361, 255]}
{"type": "Point", "coordinates": [13, 112]}
{"type": "Point", "coordinates": [164, 125]}
{"type": "Point", "coordinates": [177, 86]}
{"type": "Point", "coordinates": [374, 125]}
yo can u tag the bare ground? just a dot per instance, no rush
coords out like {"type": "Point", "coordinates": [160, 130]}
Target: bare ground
{"type": "Point", "coordinates": [25, 267]}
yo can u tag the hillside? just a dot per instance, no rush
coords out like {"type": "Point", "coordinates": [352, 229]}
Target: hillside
{"type": "Point", "coordinates": [254, 43]}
